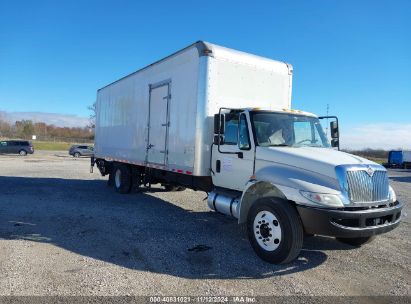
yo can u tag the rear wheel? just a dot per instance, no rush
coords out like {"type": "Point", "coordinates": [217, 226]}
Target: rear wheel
{"type": "Point", "coordinates": [357, 242]}
{"type": "Point", "coordinates": [275, 231]}
{"type": "Point", "coordinates": [76, 154]}
{"type": "Point", "coordinates": [122, 178]}
{"type": "Point", "coordinates": [23, 153]}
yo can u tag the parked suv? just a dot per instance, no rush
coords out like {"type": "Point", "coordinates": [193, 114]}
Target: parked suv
{"type": "Point", "coordinates": [22, 147]}
{"type": "Point", "coordinates": [81, 150]}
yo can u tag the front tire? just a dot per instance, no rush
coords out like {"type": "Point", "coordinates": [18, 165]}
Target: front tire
{"type": "Point", "coordinates": [357, 242]}
{"type": "Point", "coordinates": [275, 230]}
{"type": "Point", "coordinates": [76, 155]}
{"type": "Point", "coordinates": [23, 153]}
{"type": "Point", "coordinates": [122, 178]}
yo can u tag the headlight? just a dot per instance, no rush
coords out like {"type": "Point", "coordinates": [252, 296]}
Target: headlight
{"type": "Point", "coordinates": [331, 200]}
{"type": "Point", "coordinates": [392, 195]}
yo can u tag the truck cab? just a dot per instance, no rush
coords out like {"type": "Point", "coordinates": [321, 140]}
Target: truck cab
{"type": "Point", "coordinates": [277, 173]}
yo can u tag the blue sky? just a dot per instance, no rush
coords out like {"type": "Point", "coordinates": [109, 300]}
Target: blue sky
{"type": "Point", "coordinates": [353, 55]}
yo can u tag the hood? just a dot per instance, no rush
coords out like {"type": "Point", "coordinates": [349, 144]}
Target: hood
{"type": "Point", "coordinates": [320, 160]}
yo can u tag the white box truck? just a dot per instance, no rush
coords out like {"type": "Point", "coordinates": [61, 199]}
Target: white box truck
{"type": "Point", "coordinates": [219, 120]}
{"type": "Point", "coordinates": [406, 159]}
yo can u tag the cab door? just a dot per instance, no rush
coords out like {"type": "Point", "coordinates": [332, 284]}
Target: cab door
{"type": "Point", "coordinates": [233, 162]}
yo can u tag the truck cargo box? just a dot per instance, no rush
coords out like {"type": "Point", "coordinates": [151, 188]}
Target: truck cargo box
{"type": "Point", "coordinates": [406, 156]}
{"type": "Point", "coordinates": [395, 158]}
{"type": "Point", "coordinates": [400, 158]}
{"type": "Point", "coordinates": [162, 115]}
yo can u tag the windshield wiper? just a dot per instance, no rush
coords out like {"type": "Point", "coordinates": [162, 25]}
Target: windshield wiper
{"type": "Point", "coordinates": [315, 146]}
{"type": "Point", "coordinates": [280, 145]}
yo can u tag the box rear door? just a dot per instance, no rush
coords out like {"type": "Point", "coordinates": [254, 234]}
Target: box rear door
{"type": "Point", "coordinates": [158, 123]}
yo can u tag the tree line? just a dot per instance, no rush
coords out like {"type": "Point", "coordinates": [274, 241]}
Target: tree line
{"type": "Point", "coordinates": [25, 129]}
{"type": "Point", "coordinates": [368, 152]}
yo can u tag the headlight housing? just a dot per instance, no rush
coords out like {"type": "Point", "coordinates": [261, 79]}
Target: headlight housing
{"type": "Point", "coordinates": [325, 199]}
{"type": "Point", "coordinates": [392, 195]}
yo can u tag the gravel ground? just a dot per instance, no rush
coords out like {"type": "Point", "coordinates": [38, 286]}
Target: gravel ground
{"type": "Point", "coordinates": [64, 232]}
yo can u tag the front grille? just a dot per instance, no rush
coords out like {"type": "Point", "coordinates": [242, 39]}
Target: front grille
{"type": "Point", "coordinates": [365, 188]}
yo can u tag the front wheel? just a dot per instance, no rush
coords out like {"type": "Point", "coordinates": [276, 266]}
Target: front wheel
{"type": "Point", "coordinates": [275, 230]}
{"type": "Point", "coordinates": [76, 155]}
{"type": "Point", "coordinates": [357, 242]}
{"type": "Point", "coordinates": [23, 153]}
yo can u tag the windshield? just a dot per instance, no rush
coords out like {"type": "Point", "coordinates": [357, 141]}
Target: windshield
{"type": "Point", "coordinates": [284, 129]}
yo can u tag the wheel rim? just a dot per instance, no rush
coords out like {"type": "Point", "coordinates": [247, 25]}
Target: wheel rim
{"type": "Point", "coordinates": [117, 178]}
{"type": "Point", "coordinates": [267, 230]}
{"type": "Point", "coordinates": [22, 152]}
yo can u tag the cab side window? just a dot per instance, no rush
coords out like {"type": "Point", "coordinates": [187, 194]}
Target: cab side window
{"type": "Point", "coordinates": [243, 135]}
{"type": "Point", "coordinates": [231, 129]}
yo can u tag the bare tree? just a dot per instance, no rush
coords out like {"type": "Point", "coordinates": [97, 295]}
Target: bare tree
{"type": "Point", "coordinates": [92, 117]}
{"type": "Point", "coordinates": [5, 126]}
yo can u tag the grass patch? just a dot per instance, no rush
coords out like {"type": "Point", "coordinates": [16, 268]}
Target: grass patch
{"type": "Point", "coordinates": [50, 145]}
{"type": "Point", "coordinates": [377, 160]}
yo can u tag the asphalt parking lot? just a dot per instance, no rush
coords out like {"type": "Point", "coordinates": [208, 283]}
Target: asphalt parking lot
{"type": "Point", "coordinates": [64, 232]}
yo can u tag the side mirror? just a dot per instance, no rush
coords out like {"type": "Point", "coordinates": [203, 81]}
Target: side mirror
{"type": "Point", "coordinates": [219, 124]}
{"type": "Point", "coordinates": [334, 133]}
{"type": "Point", "coordinates": [335, 143]}
{"type": "Point", "coordinates": [334, 130]}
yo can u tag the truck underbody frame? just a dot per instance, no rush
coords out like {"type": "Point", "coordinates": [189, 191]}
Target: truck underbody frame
{"type": "Point", "coordinates": [146, 176]}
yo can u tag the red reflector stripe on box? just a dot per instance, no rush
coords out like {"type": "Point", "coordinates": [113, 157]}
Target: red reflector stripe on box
{"type": "Point", "coordinates": [180, 171]}
{"type": "Point", "coordinates": [189, 172]}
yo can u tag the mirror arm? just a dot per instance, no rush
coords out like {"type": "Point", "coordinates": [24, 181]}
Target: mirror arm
{"type": "Point", "coordinates": [325, 117]}
{"type": "Point", "coordinates": [338, 124]}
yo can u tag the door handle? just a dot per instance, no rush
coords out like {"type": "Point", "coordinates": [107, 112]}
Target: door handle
{"type": "Point", "coordinates": [149, 146]}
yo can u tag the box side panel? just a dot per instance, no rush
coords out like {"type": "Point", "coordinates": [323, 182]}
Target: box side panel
{"type": "Point", "coordinates": [204, 135]}
{"type": "Point", "coordinates": [183, 107]}
{"type": "Point", "coordinates": [122, 112]}
{"type": "Point", "coordinates": [235, 84]}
